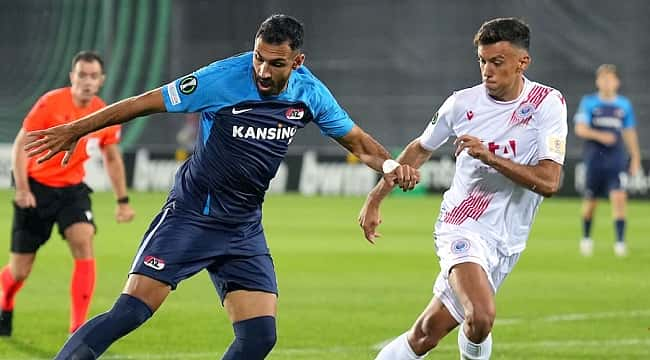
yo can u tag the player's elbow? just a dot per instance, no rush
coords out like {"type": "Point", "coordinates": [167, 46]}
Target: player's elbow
{"type": "Point", "coordinates": [548, 190]}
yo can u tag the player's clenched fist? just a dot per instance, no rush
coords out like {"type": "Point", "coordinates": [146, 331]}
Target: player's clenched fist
{"type": "Point", "coordinates": [124, 213]}
{"type": "Point", "coordinates": [405, 176]}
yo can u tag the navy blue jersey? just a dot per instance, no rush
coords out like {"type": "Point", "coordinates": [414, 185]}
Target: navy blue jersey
{"type": "Point", "coordinates": [613, 116]}
{"type": "Point", "coordinates": [244, 136]}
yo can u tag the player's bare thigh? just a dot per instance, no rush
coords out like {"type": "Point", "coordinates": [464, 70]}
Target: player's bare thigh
{"type": "Point", "coordinates": [244, 304]}
{"type": "Point", "coordinates": [150, 291]}
{"type": "Point", "coordinates": [473, 290]}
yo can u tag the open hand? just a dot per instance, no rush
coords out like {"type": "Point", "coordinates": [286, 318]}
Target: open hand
{"type": "Point", "coordinates": [475, 148]}
{"type": "Point", "coordinates": [51, 142]}
{"type": "Point", "coordinates": [369, 220]}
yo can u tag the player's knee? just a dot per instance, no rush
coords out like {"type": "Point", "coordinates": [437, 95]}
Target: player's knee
{"type": "Point", "coordinates": [258, 333]}
{"type": "Point", "coordinates": [479, 322]}
{"type": "Point", "coordinates": [21, 273]}
{"type": "Point", "coordinates": [82, 249]}
{"type": "Point", "coordinates": [254, 338]}
{"type": "Point", "coordinates": [264, 343]}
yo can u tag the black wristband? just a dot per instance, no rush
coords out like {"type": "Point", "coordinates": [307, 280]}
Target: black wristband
{"type": "Point", "coordinates": [123, 200]}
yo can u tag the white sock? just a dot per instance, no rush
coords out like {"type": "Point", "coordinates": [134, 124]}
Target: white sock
{"type": "Point", "coordinates": [398, 349]}
{"type": "Point", "coordinates": [472, 351]}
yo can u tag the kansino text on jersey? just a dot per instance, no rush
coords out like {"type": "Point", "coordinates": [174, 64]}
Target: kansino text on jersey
{"type": "Point", "coordinates": [248, 132]}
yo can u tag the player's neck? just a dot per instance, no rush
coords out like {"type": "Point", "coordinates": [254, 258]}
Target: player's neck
{"type": "Point", "coordinates": [607, 96]}
{"type": "Point", "coordinates": [80, 103]}
{"type": "Point", "coordinates": [512, 92]}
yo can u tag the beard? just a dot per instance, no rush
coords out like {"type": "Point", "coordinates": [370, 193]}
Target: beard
{"type": "Point", "coordinates": [269, 87]}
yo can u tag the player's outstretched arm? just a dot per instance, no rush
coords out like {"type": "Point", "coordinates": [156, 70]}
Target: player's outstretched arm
{"type": "Point", "coordinates": [369, 218]}
{"type": "Point", "coordinates": [543, 178]}
{"type": "Point", "coordinates": [64, 137]}
{"type": "Point", "coordinates": [371, 153]}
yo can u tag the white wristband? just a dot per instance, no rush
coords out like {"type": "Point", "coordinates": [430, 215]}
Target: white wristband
{"type": "Point", "coordinates": [389, 165]}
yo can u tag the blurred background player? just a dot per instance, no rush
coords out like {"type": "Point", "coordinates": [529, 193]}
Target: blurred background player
{"type": "Point", "coordinates": [605, 120]}
{"type": "Point", "coordinates": [47, 193]}
{"type": "Point", "coordinates": [511, 135]}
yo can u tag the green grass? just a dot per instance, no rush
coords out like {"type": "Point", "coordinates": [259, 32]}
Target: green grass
{"type": "Point", "coordinates": [340, 296]}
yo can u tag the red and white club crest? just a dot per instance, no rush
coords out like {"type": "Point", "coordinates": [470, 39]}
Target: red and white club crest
{"type": "Point", "coordinates": [154, 262]}
{"type": "Point", "coordinates": [524, 110]}
{"type": "Point", "coordinates": [294, 113]}
{"type": "Point", "coordinates": [523, 114]}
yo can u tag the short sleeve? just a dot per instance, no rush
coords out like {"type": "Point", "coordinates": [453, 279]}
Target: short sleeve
{"type": "Point", "coordinates": [332, 120]}
{"type": "Point", "coordinates": [552, 129]}
{"type": "Point", "coordinates": [629, 121]}
{"type": "Point", "coordinates": [195, 92]}
{"type": "Point", "coordinates": [36, 119]}
{"type": "Point", "coordinates": [111, 135]}
{"type": "Point", "coordinates": [583, 115]}
{"type": "Point", "coordinates": [439, 129]}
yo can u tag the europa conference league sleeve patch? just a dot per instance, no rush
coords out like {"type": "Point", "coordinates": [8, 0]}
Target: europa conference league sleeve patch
{"type": "Point", "coordinates": [434, 119]}
{"type": "Point", "coordinates": [188, 84]}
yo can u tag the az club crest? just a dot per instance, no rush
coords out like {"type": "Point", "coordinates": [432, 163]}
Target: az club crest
{"type": "Point", "coordinates": [294, 113]}
{"type": "Point", "coordinates": [154, 262]}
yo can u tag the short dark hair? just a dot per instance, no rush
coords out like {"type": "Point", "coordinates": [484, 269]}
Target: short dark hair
{"type": "Point", "coordinates": [512, 30]}
{"type": "Point", "coordinates": [279, 28]}
{"type": "Point", "coordinates": [88, 56]}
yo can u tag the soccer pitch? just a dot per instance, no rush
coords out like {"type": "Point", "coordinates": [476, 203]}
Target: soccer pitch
{"type": "Point", "coordinates": [341, 297]}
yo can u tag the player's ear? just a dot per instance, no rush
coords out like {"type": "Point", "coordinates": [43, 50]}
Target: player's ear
{"type": "Point", "coordinates": [524, 61]}
{"type": "Point", "coordinates": [298, 61]}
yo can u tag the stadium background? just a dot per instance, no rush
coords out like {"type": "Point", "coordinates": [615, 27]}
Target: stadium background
{"type": "Point", "coordinates": [389, 63]}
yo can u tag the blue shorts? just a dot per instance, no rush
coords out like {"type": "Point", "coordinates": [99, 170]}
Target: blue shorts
{"type": "Point", "coordinates": [176, 246]}
{"type": "Point", "coordinates": [600, 181]}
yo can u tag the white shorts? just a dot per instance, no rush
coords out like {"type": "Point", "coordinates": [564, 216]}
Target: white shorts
{"type": "Point", "coordinates": [455, 246]}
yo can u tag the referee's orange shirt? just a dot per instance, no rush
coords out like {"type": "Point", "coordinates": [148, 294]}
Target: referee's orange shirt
{"type": "Point", "coordinates": [56, 108]}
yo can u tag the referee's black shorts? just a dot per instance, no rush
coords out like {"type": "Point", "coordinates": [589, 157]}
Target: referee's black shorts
{"type": "Point", "coordinates": [64, 206]}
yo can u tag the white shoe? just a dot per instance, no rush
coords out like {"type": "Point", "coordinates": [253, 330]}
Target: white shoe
{"type": "Point", "coordinates": [620, 249]}
{"type": "Point", "coordinates": [586, 247]}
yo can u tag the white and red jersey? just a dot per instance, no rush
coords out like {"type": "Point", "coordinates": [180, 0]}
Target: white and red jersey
{"type": "Point", "coordinates": [526, 130]}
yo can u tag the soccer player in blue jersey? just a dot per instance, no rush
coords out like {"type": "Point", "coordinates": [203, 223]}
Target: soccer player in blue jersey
{"type": "Point", "coordinates": [605, 120]}
{"type": "Point", "coordinates": [251, 107]}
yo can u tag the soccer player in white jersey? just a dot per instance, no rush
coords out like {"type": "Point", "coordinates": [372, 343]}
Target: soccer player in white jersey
{"type": "Point", "coordinates": [510, 137]}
